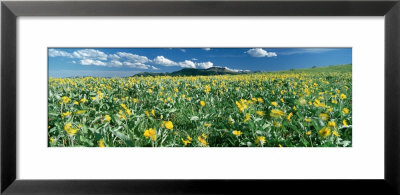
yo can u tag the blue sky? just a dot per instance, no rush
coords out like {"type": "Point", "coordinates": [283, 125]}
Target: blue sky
{"type": "Point", "coordinates": [122, 62]}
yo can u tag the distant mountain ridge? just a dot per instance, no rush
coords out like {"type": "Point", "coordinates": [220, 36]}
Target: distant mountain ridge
{"type": "Point", "coordinates": [196, 72]}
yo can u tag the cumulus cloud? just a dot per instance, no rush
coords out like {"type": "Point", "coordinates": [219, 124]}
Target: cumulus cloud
{"type": "Point", "coordinates": [124, 59]}
{"type": "Point", "coordinates": [92, 62]}
{"type": "Point", "coordinates": [55, 53]}
{"type": "Point", "coordinates": [205, 65]}
{"type": "Point", "coordinates": [161, 60]}
{"type": "Point", "coordinates": [92, 54]}
{"type": "Point", "coordinates": [259, 53]}
{"type": "Point", "coordinates": [187, 64]}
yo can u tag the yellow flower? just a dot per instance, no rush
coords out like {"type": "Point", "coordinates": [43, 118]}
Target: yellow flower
{"type": "Point", "coordinates": [260, 100]}
{"type": "Point", "coordinates": [93, 98]}
{"type": "Point", "coordinates": [334, 102]}
{"type": "Point", "coordinates": [260, 140]}
{"type": "Point", "coordinates": [169, 125]}
{"type": "Point", "coordinates": [274, 103]}
{"type": "Point", "coordinates": [147, 113]}
{"type": "Point", "coordinates": [207, 124]}
{"type": "Point", "coordinates": [70, 131]}
{"type": "Point", "coordinates": [276, 113]}
{"type": "Point", "coordinates": [65, 99]}
{"type": "Point", "coordinates": [280, 145]}
{"type": "Point", "coordinates": [204, 135]}
{"type": "Point", "coordinates": [294, 108]}
{"type": "Point", "coordinates": [345, 111]}
{"type": "Point", "coordinates": [276, 124]}
{"type": "Point", "coordinates": [308, 133]}
{"type": "Point", "coordinates": [231, 121]}
{"type": "Point", "coordinates": [325, 132]}
{"type": "Point", "coordinates": [324, 116]}
{"type": "Point", "coordinates": [202, 141]}
{"type": "Point", "coordinates": [153, 112]}
{"type": "Point", "coordinates": [343, 96]}
{"type": "Point", "coordinates": [289, 116]}
{"type": "Point", "coordinates": [63, 115]}
{"type": "Point", "coordinates": [331, 124]}
{"type": "Point", "coordinates": [52, 140]}
{"type": "Point", "coordinates": [307, 120]}
{"type": "Point", "coordinates": [345, 123]}
{"type": "Point", "coordinates": [246, 117]}
{"type": "Point", "coordinates": [107, 118]}
{"type": "Point", "coordinates": [237, 133]}
{"type": "Point", "coordinates": [186, 142]}
{"type": "Point", "coordinates": [260, 113]}
{"type": "Point", "coordinates": [150, 91]}
{"type": "Point", "coordinates": [282, 100]}
{"type": "Point", "coordinates": [335, 133]}
{"type": "Point", "coordinates": [83, 100]}
{"type": "Point", "coordinates": [75, 102]}
{"type": "Point", "coordinates": [202, 103]}
{"type": "Point", "coordinates": [150, 133]}
{"type": "Point", "coordinates": [101, 143]}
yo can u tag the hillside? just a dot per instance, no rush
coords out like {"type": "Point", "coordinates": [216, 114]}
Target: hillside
{"type": "Point", "coordinates": [195, 72]}
{"type": "Point", "coordinates": [332, 68]}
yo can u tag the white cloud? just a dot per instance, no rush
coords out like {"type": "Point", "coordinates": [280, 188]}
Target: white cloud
{"type": "Point", "coordinates": [92, 62]}
{"type": "Point", "coordinates": [207, 49]}
{"type": "Point", "coordinates": [55, 53]}
{"type": "Point", "coordinates": [133, 57]}
{"type": "Point", "coordinates": [187, 64]}
{"type": "Point", "coordinates": [205, 65]}
{"type": "Point", "coordinates": [73, 61]}
{"type": "Point", "coordinates": [92, 54]}
{"type": "Point", "coordinates": [259, 53]}
{"type": "Point", "coordinates": [114, 56]}
{"type": "Point", "coordinates": [183, 50]}
{"type": "Point", "coordinates": [115, 63]}
{"type": "Point", "coordinates": [136, 65]}
{"type": "Point", "coordinates": [194, 59]}
{"type": "Point", "coordinates": [154, 68]}
{"type": "Point", "coordinates": [161, 60]}
{"type": "Point", "coordinates": [236, 70]}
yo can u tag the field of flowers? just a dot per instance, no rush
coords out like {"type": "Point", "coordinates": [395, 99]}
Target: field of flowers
{"type": "Point", "coordinates": [283, 109]}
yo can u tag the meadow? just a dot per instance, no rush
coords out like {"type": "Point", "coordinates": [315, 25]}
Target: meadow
{"type": "Point", "coordinates": [298, 108]}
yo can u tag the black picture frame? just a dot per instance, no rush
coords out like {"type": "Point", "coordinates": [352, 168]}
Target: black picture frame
{"type": "Point", "coordinates": [11, 10]}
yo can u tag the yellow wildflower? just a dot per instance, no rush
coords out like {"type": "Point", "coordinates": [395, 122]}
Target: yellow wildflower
{"type": "Point", "coordinates": [276, 113]}
{"type": "Point", "coordinates": [325, 132]}
{"type": "Point", "coordinates": [237, 133]}
{"type": "Point", "coordinates": [65, 99]}
{"type": "Point", "coordinates": [260, 140]}
{"type": "Point", "coordinates": [345, 111]}
{"type": "Point", "coordinates": [150, 133]}
{"type": "Point", "coordinates": [202, 141]}
{"type": "Point", "coordinates": [207, 124]}
{"type": "Point", "coordinates": [308, 133]}
{"type": "Point", "coordinates": [202, 103]}
{"type": "Point", "coordinates": [246, 117]}
{"type": "Point", "coordinates": [260, 113]}
{"type": "Point", "coordinates": [324, 116]}
{"type": "Point", "coordinates": [289, 116]}
{"type": "Point", "coordinates": [63, 115]}
{"type": "Point", "coordinates": [331, 124]}
{"type": "Point", "coordinates": [343, 96]}
{"type": "Point", "coordinates": [70, 130]}
{"type": "Point", "coordinates": [101, 143]}
{"type": "Point", "coordinates": [107, 118]}
{"type": "Point", "coordinates": [345, 123]}
{"type": "Point", "coordinates": [169, 125]}
{"type": "Point", "coordinates": [274, 103]}
{"type": "Point", "coordinates": [335, 133]}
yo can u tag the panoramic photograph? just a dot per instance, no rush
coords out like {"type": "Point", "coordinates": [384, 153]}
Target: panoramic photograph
{"type": "Point", "coordinates": [200, 97]}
